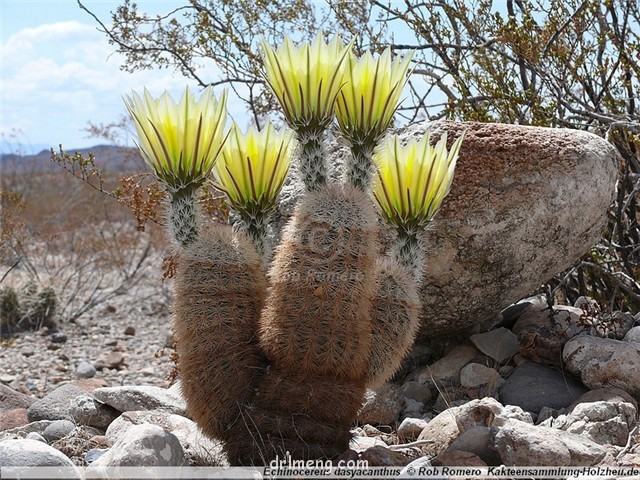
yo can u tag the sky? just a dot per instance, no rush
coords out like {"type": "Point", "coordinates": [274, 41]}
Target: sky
{"type": "Point", "coordinates": [58, 72]}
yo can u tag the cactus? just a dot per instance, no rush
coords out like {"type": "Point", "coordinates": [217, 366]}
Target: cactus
{"type": "Point", "coordinates": [276, 349]}
{"type": "Point", "coordinates": [27, 308]}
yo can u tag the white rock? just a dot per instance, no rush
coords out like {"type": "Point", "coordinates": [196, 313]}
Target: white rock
{"type": "Point", "coordinates": [32, 453]}
{"type": "Point", "coordinates": [476, 375]}
{"type": "Point", "coordinates": [143, 445]}
{"type": "Point", "coordinates": [602, 422]}
{"type": "Point", "coordinates": [410, 428]}
{"type": "Point", "coordinates": [447, 369]}
{"type": "Point", "coordinates": [198, 448]}
{"type": "Point", "coordinates": [601, 362]}
{"type": "Point", "coordinates": [146, 397]}
{"type": "Point", "coordinates": [85, 410]}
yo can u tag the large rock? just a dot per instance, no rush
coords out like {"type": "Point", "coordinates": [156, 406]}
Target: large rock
{"type": "Point", "coordinates": [146, 397]}
{"type": "Point", "coordinates": [519, 443]}
{"type": "Point", "coordinates": [144, 446]}
{"type": "Point", "coordinates": [603, 422]}
{"type": "Point", "coordinates": [26, 453]}
{"type": "Point", "coordinates": [381, 406]}
{"type": "Point", "coordinates": [602, 362]}
{"type": "Point", "coordinates": [526, 202]}
{"type": "Point", "coordinates": [11, 400]}
{"type": "Point", "coordinates": [55, 406]}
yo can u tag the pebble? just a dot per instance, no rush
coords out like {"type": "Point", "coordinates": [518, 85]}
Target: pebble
{"type": "Point", "coordinates": [11, 399]}
{"type": "Point", "coordinates": [130, 331]}
{"type": "Point", "coordinates": [602, 362]}
{"type": "Point", "coordinates": [36, 436]}
{"type": "Point", "coordinates": [58, 337]}
{"type": "Point", "coordinates": [85, 370]}
{"type": "Point", "coordinates": [379, 456]}
{"type": "Point", "coordinates": [111, 360]}
{"type": "Point", "coordinates": [94, 454]}
{"type": "Point", "coordinates": [500, 344]}
{"type": "Point", "coordinates": [533, 386]}
{"type": "Point", "coordinates": [416, 391]}
{"type": "Point", "coordinates": [6, 378]}
{"type": "Point", "coordinates": [58, 429]}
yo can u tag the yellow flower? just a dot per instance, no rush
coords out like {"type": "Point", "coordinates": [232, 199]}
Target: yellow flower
{"type": "Point", "coordinates": [253, 168]}
{"type": "Point", "coordinates": [179, 141]}
{"type": "Point", "coordinates": [413, 180]}
{"type": "Point", "coordinates": [370, 96]}
{"type": "Point", "coordinates": [305, 79]}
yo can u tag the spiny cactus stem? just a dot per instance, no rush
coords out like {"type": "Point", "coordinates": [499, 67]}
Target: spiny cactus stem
{"type": "Point", "coordinates": [255, 225]}
{"type": "Point", "coordinates": [360, 167]}
{"type": "Point", "coordinates": [183, 216]}
{"type": "Point", "coordinates": [409, 251]}
{"type": "Point", "coordinates": [312, 159]}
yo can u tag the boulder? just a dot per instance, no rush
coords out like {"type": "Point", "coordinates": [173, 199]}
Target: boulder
{"type": "Point", "coordinates": [85, 410]}
{"type": "Point", "coordinates": [499, 344]}
{"type": "Point", "coordinates": [57, 430]}
{"type": "Point", "coordinates": [447, 369]}
{"type": "Point", "coordinates": [602, 362]}
{"type": "Point", "coordinates": [11, 400]}
{"type": "Point", "coordinates": [525, 204]}
{"type": "Point", "coordinates": [603, 422]}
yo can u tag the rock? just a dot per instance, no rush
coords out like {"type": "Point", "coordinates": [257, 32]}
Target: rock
{"type": "Point", "coordinates": [475, 440]}
{"type": "Point", "coordinates": [516, 413]}
{"type": "Point", "coordinates": [32, 453]}
{"type": "Point", "coordinates": [85, 410]}
{"type": "Point", "coordinates": [633, 335]}
{"type": "Point", "coordinates": [27, 352]}
{"type": "Point", "coordinates": [85, 370]}
{"type": "Point", "coordinates": [57, 430]}
{"type": "Point", "coordinates": [54, 406]}
{"type": "Point", "coordinates": [94, 454]}
{"type": "Point", "coordinates": [89, 384]}
{"type": "Point", "coordinates": [360, 443]}
{"type": "Point", "coordinates": [380, 456]}
{"type": "Point", "coordinates": [416, 391]}
{"type": "Point", "coordinates": [36, 436]}
{"type": "Point", "coordinates": [23, 431]}
{"type": "Point", "coordinates": [607, 394]}
{"type": "Point", "coordinates": [520, 443]}
{"type": "Point", "coordinates": [418, 468]}
{"type": "Point", "coordinates": [601, 362]}
{"type": "Point", "coordinates": [58, 337]}
{"type": "Point", "coordinates": [130, 331]}
{"type": "Point", "coordinates": [146, 397]}
{"type": "Point", "coordinates": [410, 428]}
{"type": "Point", "coordinates": [143, 446]}
{"type": "Point", "coordinates": [448, 425]}
{"type": "Point", "coordinates": [613, 325]}
{"type": "Point", "coordinates": [603, 422]}
{"type": "Point", "coordinates": [499, 344]}
{"type": "Point", "coordinates": [411, 408]}
{"type": "Point", "coordinates": [447, 369]}
{"type": "Point", "coordinates": [199, 449]}
{"type": "Point", "coordinates": [475, 375]}
{"type": "Point", "coordinates": [11, 400]}
{"type": "Point", "coordinates": [381, 406]}
{"type": "Point", "coordinates": [484, 250]}
{"type": "Point", "coordinates": [458, 458]}
{"type": "Point", "coordinates": [113, 360]}
{"type": "Point", "coordinates": [542, 333]}
{"type": "Point", "coordinates": [533, 386]}
{"type": "Point", "coordinates": [13, 418]}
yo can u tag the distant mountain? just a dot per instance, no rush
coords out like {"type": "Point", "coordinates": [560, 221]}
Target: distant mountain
{"type": "Point", "coordinates": [107, 157]}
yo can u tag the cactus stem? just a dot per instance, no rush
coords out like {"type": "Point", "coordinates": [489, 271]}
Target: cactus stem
{"type": "Point", "coordinates": [360, 166]}
{"type": "Point", "coordinates": [312, 158]}
{"type": "Point", "coordinates": [254, 225]}
{"type": "Point", "coordinates": [409, 251]}
{"type": "Point", "coordinates": [183, 216]}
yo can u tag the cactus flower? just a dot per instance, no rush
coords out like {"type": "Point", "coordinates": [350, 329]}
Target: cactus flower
{"type": "Point", "coordinates": [253, 168]}
{"type": "Point", "coordinates": [370, 96]}
{"type": "Point", "coordinates": [179, 141]}
{"type": "Point", "coordinates": [413, 180]}
{"type": "Point", "coordinates": [306, 79]}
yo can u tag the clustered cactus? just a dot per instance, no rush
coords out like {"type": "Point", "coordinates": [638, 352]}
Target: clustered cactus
{"type": "Point", "coordinates": [276, 350]}
{"type": "Point", "coordinates": [28, 308]}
